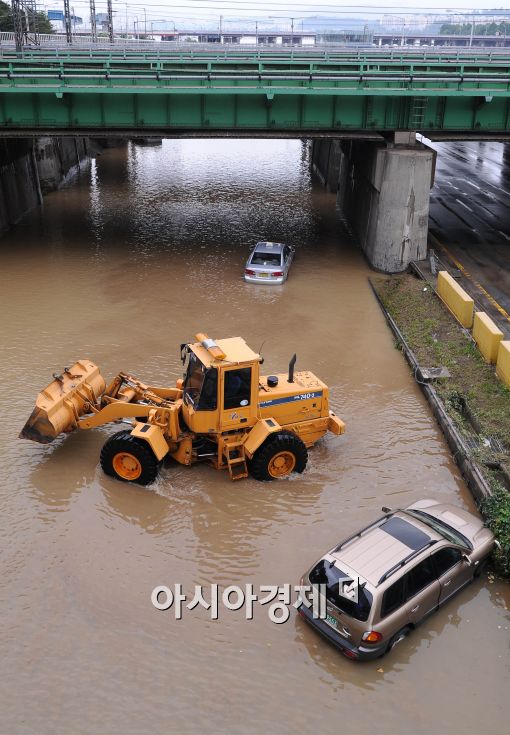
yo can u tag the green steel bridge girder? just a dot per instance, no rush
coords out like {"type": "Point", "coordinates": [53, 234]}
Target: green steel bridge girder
{"type": "Point", "coordinates": [260, 110]}
{"type": "Point", "coordinates": [44, 93]}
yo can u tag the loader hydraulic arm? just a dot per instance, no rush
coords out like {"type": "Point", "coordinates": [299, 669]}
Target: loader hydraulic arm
{"type": "Point", "coordinates": [79, 399]}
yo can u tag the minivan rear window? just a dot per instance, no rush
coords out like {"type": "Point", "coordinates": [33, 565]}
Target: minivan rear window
{"type": "Point", "coordinates": [330, 576]}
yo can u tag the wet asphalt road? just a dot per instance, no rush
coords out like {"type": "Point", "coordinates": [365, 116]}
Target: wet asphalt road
{"type": "Point", "coordinates": [470, 218]}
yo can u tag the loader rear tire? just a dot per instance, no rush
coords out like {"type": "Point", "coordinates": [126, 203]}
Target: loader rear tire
{"type": "Point", "coordinates": [281, 454]}
{"type": "Point", "coordinates": [129, 459]}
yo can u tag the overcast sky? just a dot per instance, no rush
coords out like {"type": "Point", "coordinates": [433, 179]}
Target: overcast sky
{"type": "Point", "coordinates": [181, 11]}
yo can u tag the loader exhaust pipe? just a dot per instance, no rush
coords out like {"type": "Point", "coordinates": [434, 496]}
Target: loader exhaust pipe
{"type": "Point", "coordinates": [291, 368]}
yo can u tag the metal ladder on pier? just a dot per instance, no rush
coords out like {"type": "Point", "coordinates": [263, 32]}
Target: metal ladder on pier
{"type": "Point", "coordinates": [417, 112]}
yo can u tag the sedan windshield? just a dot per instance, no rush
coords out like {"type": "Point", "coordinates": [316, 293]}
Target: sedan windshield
{"type": "Point", "coordinates": [261, 258]}
{"type": "Point", "coordinates": [443, 529]}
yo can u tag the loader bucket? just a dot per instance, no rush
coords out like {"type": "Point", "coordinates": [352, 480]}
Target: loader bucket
{"type": "Point", "coordinates": [59, 406]}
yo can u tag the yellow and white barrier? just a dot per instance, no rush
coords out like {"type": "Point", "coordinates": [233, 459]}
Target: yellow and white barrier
{"type": "Point", "coordinates": [456, 299]}
{"type": "Point", "coordinates": [503, 363]}
{"type": "Point", "coordinates": [487, 336]}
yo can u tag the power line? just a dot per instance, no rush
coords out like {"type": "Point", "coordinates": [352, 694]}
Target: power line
{"type": "Point", "coordinates": [281, 7]}
{"type": "Point", "coordinates": [273, 9]}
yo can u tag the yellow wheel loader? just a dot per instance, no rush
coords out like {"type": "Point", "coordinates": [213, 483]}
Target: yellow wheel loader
{"type": "Point", "coordinates": [222, 412]}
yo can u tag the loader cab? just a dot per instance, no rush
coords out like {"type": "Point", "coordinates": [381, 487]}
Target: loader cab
{"type": "Point", "coordinates": [220, 388]}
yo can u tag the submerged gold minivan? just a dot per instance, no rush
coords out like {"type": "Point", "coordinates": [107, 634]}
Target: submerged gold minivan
{"type": "Point", "coordinates": [384, 580]}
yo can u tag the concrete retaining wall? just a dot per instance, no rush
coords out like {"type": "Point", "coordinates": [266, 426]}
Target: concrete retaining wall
{"type": "Point", "coordinates": [19, 181]}
{"type": "Point", "coordinates": [326, 157]}
{"type": "Point", "coordinates": [57, 158]}
{"type": "Point", "coordinates": [30, 168]}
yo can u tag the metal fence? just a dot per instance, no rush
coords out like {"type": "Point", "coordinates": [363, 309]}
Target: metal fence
{"type": "Point", "coordinates": [58, 43]}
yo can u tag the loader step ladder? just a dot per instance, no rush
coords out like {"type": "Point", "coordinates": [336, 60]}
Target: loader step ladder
{"type": "Point", "coordinates": [236, 460]}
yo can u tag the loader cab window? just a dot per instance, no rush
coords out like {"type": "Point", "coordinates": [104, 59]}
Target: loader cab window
{"type": "Point", "coordinates": [208, 400]}
{"type": "Point", "coordinates": [200, 385]}
{"type": "Point", "coordinates": [237, 388]}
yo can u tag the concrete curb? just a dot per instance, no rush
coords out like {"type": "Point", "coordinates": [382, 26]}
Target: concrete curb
{"type": "Point", "coordinates": [475, 481]}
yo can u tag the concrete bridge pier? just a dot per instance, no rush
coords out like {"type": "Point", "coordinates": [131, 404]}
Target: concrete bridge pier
{"type": "Point", "coordinates": [383, 190]}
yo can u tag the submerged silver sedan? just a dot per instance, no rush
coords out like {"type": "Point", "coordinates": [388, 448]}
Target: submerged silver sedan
{"type": "Point", "coordinates": [269, 262]}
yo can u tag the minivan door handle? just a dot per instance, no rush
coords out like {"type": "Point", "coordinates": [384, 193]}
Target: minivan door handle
{"type": "Point", "coordinates": [445, 584]}
{"type": "Point", "coordinates": [416, 607]}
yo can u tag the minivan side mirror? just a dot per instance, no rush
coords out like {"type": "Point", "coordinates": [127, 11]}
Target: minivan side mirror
{"type": "Point", "coordinates": [466, 558]}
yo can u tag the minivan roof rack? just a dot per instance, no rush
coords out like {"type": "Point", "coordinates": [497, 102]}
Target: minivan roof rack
{"type": "Point", "coordinates": [404, 561]}
{"type": "Point", "coordinates": [360, 533]}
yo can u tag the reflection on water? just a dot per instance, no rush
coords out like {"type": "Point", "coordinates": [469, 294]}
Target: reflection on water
{"type": "Point", "coordinates": [144, 250]}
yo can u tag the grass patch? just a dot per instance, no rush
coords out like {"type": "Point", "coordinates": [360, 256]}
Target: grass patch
{"type": "Point", "coordinates": [438, 340]}
{"type": "Point", "coordinates": [496, 510]}
{"type": "Point", "coordinates": [474, 398]}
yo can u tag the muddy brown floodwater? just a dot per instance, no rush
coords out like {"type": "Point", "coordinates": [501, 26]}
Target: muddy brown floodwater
{"type": "Point", "coordinates": [142, 251]}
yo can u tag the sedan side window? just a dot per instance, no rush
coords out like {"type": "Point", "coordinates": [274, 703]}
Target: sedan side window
{"type": "Point", "coordinates": [286, 252]}
{"type": "Point", "coordinates": [420, 577]}
{"type": "Point", "coordinates": [445, 559]}
{"type": "Point", "coordinates": [393, 598]}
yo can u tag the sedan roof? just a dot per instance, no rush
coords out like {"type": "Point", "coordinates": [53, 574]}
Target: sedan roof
{"type": "Point", "coordinates": [276, 247]}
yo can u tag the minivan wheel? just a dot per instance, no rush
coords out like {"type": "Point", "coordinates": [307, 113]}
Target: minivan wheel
{"type": "Point", "coordinates": [398, 637]}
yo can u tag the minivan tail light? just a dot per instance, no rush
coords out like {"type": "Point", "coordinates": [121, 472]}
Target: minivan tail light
{"type": "Point", "coordinates": [372, 636]}
{"type": "Point", "coordinates": [350, 654]}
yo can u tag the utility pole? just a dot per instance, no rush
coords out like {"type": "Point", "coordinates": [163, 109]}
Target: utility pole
{"type": "Point", "coordinates": [110, 20]}
{"type": "Point", "coordinates": [24, 17]}
{"type": "Point", "coordinates": [32, 35]}
{"type": "Point", "coordinates": [17, 16]}
{"type": "Point", "coordinates": [93, 24]}
{"type": "Point", "coordinates": [292, 31]}
{"type": "Point", "coordinates": [256, 33]}
{"type": "Point", "coordinates": [221, 26]}
{"type": "Point", "coordinates": [144, 22]}
{"type": "Point", "coordinates": [67, 22]}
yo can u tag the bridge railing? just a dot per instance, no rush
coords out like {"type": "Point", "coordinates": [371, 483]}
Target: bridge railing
{"type": "Point", "coordinates": [52, 40]}
{"type": "Point", "coordinates": [56, 43]}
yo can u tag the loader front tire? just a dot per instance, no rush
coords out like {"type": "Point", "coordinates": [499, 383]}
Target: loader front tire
{"type": "Point", "coordinates": [129, 459]}
{"type": "Point", "coordinates": [281, 454]}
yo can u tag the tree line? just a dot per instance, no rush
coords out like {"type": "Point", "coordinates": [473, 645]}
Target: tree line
{"type": "Point", "coordinates": [479, 29]}
{"type": "Point", "coordinates": [41, 22]}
